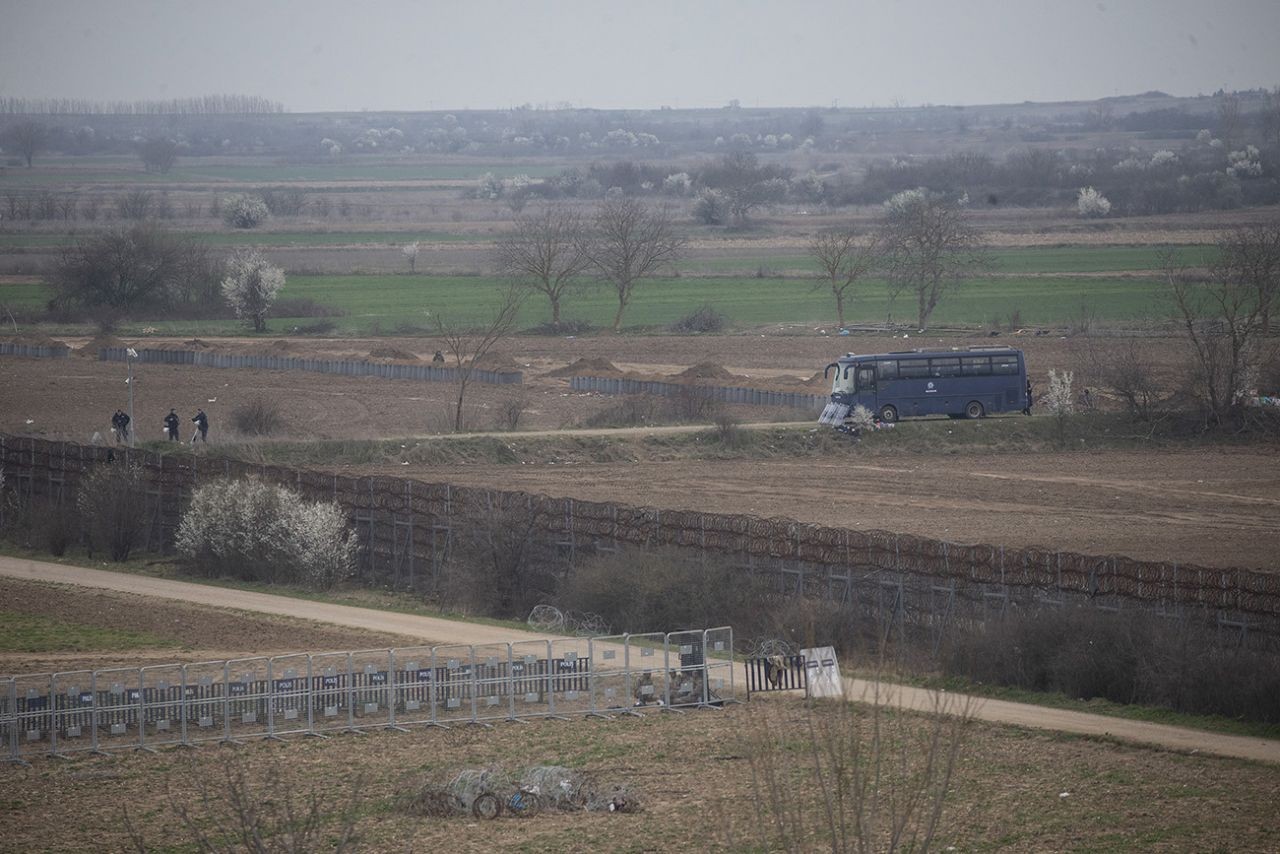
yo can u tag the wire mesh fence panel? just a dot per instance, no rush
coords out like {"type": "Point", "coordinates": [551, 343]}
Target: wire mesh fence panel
{"type": "Point", "coordinates": [570, 676]}
{"type": "Point", "coordinates": [247, 686]}
{"type": "Point", "coordinates": [72, 696]}
{"type": "Point", "coordinates": [647, 667]}
{"type": "Point", "coordinates": [371, 687]}
{"type": "Point", "coordinates": [119, 692]}
{"type": "Point", "coordinates": [610, 682]}
{"type": "Point", "coordinates": [8, 720]}
{"type": "Point", "coordinates": [163, 709]}
{"type": "Point", "coordinates": [492, 690]}
{"type": "Point", "coordinates": [34, 716]}
{"type": "Point", "coordinates": [329, 697]}
{"type": "Point", "coordinates": [531, 678]}
{"type": "Point", "coordinates": [687, 669]}
{"type": "Point", "coordinates": [412, 688]}
{"type": "Point", "coordinates": [289, 710]}
{"type": "Point", "coordinates": [203, 684]}
{"type": "Point", "coordinates": [454, 675]}
{"type": "Point", "coordinates": [722, 683]}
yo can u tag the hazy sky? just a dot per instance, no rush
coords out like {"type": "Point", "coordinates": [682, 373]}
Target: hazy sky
{"type": "Point", "coordinates": [402, 55]}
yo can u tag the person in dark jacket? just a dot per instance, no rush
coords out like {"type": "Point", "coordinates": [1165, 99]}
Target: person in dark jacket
{"type": "Point", "coordinates": [124, 425]}
{"type": "Point", "coordinates": [438, 358]}
{"type": "Point", "coordinates": [115, 425]}
{"type": "Point", "coordinates": [202, 426]}
{"type": "Point", "coordinates": [171, 425]}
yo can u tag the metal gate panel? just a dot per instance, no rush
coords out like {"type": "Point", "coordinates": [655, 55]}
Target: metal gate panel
{"type": "Point", "coordinates": [119, 693]}
{"type": "Point", "coordinates": [73, 700]}
{"type": "Point", "coordinates": [330, 676]}
{"type": "Point", "coordinates": [163, 710]}
{"type": "Point", "coordinates": [453, 674]}
{"type": "Point", "coordinates": [687, 665]}
{"type": "Point", "coordinates": [289, 710]}
{"type": "Point", "coordinates": [722, 682]}
{"type": "Point", "coordinates": [609, 679]}
{"type": "Point", "coordinates": [8, 719]}
{"type": "Point", "coordinates": [203, 684]}
{"type": "Point", "coordinates": [248, 686]}
{"type": "Point", "coordinates": [647, 669]}
{"type": "Point", "coordinates": [34, 720]}
{"type": "Point", "coordinates": [493, 681]}
{"type": "Point", "coordinates": [531, 678]}
{"type": "Point", "coordinates": [371, 687]}
{"type": "Point", "coordinates": [570, 676]}
{"type": "Point", "coordinates": [412, 687]}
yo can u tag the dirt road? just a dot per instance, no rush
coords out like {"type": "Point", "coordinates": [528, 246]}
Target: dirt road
{"type": "Point", "coordinates": [436, 630]}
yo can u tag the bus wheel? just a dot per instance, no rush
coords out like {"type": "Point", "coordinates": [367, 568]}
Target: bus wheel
{"type": "Point", "coordinates": [973, 409]}
{"type": "Point", "coordinates": [888, 414]}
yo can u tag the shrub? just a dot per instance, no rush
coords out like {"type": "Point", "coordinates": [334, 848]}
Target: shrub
{"type": "Point", "coordinates": [511, 410]}
{"type": "Point", "coordinates": [244, 211]}
{"type": "Point", "coordinates": [1092, 204]}
{"type": "Point", "coordinates": [112, 503]}
{"type": "Point", "coordinates": [257, 417]}
{"type": "Point", "coordinates": [702, 319]}
{"type": "Point", "coordinates": [262, 532]}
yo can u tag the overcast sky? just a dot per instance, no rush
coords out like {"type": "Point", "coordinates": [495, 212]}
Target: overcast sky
{"type": "Point", "coordinates": [403, 55]}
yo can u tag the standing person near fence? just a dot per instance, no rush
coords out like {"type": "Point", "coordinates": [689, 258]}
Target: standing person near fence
{"type": "Point", "coordinates": [202, 427]}
{"type": "Point", "coordinates": [171, 425]}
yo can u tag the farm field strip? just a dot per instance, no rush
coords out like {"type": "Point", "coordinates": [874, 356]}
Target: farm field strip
{"type": "Point", "coordinates": [191, 171]}
{"type": "Point", "coordinates": [396, 300]}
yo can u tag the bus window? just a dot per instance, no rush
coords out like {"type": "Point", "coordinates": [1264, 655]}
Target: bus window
{"type": "Point", "coordinates": [913, 368]}
{"type": "Point", "coordinates": [866, 378]}
{"type": "Point", "coordinates": [887, 369]}
{"type": "Point", "coordinates": [1004, 364]}
{"type": "Point", "coordinates": [975, 366]}
{"type": "Point", "coordinates": [944, 367]}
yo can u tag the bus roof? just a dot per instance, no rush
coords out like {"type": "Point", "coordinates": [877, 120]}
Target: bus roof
{"type": "Point", "coordinates": [925, 353]}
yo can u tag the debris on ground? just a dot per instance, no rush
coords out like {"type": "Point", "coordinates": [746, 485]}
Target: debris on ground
{"type": "Point", "coordinates": [388, 352]}
{"type": "Point", "coordinates": [473, 792]}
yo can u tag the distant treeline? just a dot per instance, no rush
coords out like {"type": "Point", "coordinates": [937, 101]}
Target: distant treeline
{"type": "Point", "coordinates": [201, 105]}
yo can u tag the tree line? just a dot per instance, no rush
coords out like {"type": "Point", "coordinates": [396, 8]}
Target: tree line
{"type": "Point", "coordinates": [199, 105]}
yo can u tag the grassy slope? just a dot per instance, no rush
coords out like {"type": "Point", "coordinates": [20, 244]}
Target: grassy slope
{"type": "Point", "coordinates": [31, 633]}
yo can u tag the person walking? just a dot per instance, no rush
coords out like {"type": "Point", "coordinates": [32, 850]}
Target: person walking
{"type": "Point", "coordinates": [171, 425]}
{"type": "Point", "coordinates": [202, 427]}
{"type": "Point", "coordinates": [115, 425]}
{"type": "Point", "coordinates": [124, 426]}
{"type": "Point", "coordinates": [1030, 397]}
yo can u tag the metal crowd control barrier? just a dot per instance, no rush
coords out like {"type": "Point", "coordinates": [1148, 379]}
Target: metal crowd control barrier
{"type": "Point", "coordinates": [182, 705]}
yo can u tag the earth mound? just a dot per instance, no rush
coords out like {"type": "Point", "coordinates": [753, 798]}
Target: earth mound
{"type": "Point", "coordinates": [388, 352]}
{"type": "Point", "coordinates": [585, 367]}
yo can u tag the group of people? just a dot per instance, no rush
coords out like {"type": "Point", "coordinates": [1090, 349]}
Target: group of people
{"type": "Point", "coordinates": [120, 426]}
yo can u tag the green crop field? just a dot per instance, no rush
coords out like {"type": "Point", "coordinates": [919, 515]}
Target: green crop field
{"type": "Point", "coordinates": [384, 303]}
{"type": "Point", "coordinates": [191, 171]}
{"type": "Point", "coordinates": [1042, 260]}
{"type": "Point", "coordinates": [260, 238]}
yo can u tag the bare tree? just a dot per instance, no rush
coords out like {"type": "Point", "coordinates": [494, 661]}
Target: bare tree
{"type": "Point", "coordinates": [629, 243]}
{"type": "Point", "coordinates": [1225, 315]}
{"type": "Point", "coordinates": [545, 253]}
{"type": "Point", "coordinates": [929, 248]}
{"type": "Point", "coordinates": [158, 155]}
{"type": "Point", "coordinates": [28, 139]}
{"type": "Point", "coordinates": [139, 267]}
{"type": "Point", "coordinates": [468, 343]}
{"type": "Point", "coordinates": [745, 184]}
{"type": "Point", "coordinates": [844, 261]}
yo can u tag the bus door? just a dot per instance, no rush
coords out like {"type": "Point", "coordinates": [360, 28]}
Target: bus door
{"type": "Point", "coordinates": [865, 394]}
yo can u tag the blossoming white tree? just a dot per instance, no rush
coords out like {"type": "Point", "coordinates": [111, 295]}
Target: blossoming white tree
{"type": "Point", "coordinates": [1092, 204]}
{"type": "Point", "coordinates": [410, 252]}
{"type": "Point", "coordinates": [244, 211]}
{"type": "Point", "coordinates": [251, 286]}
{"type": "Point", "coordinates": [263, 532]}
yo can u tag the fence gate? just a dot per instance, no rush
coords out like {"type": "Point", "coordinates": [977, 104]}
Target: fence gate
{"type": "Point", "coordinates": [203, 685]}
{"type": "Point", "coordinates": [162, 707]}
{"type": "Point", "coordinates": [722, 685]}
{"type": "Point", "coordinates": [72, 696]}
{"type": "Point", "coordinates": [570, 684]}
{"type": "Point", "coordinates": [647, 665]}
{"type": "Point", "coordinates": [492, 687]}
{"type": "Point", "coordinates": [413, 691]}
{"type": "Point", "coordinates": [454, 671]}
{"type": "Point", "coordinates": [687, 669]}
{"type": "Point", "coordinates": [531, 678]}
{"type": "Point", "coordinates": [610, 680]}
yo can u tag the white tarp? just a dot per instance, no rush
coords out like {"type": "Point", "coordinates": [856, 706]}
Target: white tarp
{"type": "Point", "coordinates": [824, 672]}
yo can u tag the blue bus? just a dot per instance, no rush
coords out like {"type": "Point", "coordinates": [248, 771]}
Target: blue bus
{"type": "Point", "coordinates": [969, 383]}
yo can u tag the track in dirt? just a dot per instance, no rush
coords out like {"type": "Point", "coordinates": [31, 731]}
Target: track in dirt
{"type": "Point", "coordinates": [451, 632]}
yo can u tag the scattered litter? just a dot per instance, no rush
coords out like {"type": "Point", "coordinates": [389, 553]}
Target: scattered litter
{"type": "Point", "coordinates": [487, 793]}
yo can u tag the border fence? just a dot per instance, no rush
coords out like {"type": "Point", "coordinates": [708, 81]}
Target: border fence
{"type": "Point", "coordinates": [346, 367]}
{"type": "Point", "coordinates": [408, 531]}
{"type": "Point", "coordinates": [34, 351]}
{"type": "Point", "coordinates": [724, 394]}
{"type": "Point", "coordinates": [132, 708]}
